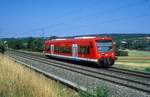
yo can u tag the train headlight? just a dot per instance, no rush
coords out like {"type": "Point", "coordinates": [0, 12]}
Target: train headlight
{"type": "Point", "coordinates": [112, 54]}
{"type": "Point", "coordinates": [106, 54]}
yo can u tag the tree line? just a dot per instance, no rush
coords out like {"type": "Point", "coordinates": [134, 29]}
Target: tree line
{"type": "Point", "coordinates": [30, 44]}
{"type": "Point", "coordinates": [123, 41]}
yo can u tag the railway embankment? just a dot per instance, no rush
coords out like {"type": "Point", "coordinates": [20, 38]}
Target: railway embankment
{"type": "Point", "coordinates": [18, 81]}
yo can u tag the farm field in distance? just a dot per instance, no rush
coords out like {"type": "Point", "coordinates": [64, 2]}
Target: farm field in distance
{"type": "Point", "coordinates": [137, 60]}
{"type": "Point", "coordinates": [19, 81]}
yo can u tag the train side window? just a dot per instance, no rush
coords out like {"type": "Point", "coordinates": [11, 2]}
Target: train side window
{"type": "Point", "coordinates": [83, 50]}
{"type": "Point", "coordinates": [65, 49]}
{"type": "Point", "coordinates": [49, 48]}
{"type": "Point", "coordinates": [62, 49]}
{"type": "Point", "coordinates": [56, 49]}
{"type": "Point", "coordinates": [46, 47]}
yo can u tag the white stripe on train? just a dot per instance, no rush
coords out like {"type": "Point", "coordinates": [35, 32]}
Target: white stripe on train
{"type": "Point", "coordinates": [74, 58]}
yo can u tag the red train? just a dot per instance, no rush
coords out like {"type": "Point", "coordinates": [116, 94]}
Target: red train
{"type": "Point", "coordinates": [99, 50]}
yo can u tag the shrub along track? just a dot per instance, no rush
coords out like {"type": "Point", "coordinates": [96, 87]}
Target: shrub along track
{"type": "Point", "coordinates": [132, 79]}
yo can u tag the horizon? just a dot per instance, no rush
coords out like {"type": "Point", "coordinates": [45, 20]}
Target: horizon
{"type": "Point", "coordinates": [79, 35]}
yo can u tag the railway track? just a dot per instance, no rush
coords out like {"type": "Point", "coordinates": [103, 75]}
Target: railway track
{"type": "Point", "coordinates": [131, 72]}
{"type": "Point", "coordinates": [115, 69]}
{"type": "Point", "coordinates": [135, 80]}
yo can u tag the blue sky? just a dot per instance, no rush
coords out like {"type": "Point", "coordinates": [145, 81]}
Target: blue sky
{"type": "Point", "coordinates": [25, 18]}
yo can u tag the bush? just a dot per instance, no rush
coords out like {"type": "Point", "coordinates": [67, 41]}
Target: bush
{"type": "Point", "coordinates": [99, 92]}
{"type": "Point", "coordinates": [121, 53]}
{"type": "Point", "coordinates": [2, 49]}
{"type": "Point", "coordinates": [147, 69]}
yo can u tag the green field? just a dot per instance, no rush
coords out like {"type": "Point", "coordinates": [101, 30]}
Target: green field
{"type": "Point", "coordinates": [137, 60]}
{"type": "Point", "coordinates": [136, 53]}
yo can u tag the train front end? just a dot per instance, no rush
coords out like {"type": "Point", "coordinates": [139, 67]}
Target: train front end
{"type": "Point", "coordinates": [106, 52]}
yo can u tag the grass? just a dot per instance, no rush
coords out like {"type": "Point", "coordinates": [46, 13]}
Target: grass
{"type": "Point", "coordinates": [19, 81]}
{"type": "Point", "coordinates": [137, 60]}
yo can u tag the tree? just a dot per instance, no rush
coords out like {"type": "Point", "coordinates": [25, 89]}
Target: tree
{"type": "Point", "coordinates": [2, 47]}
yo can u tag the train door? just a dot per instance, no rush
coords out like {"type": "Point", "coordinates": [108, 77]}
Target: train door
{"type": "Point", "coordinates": [74, 50]}
{"type": "Point", "coordinates": [52, 49]}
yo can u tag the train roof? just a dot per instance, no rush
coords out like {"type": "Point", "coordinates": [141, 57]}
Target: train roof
{"type": "Point", "coordinates": [78, 39]}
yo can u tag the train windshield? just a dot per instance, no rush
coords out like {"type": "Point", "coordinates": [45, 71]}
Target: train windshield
{"type": "Point", "coordinates": [104, 45]}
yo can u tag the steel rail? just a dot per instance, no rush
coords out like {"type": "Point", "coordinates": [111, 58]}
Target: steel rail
{"type": "Point", "coordinates": [130, 72]}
